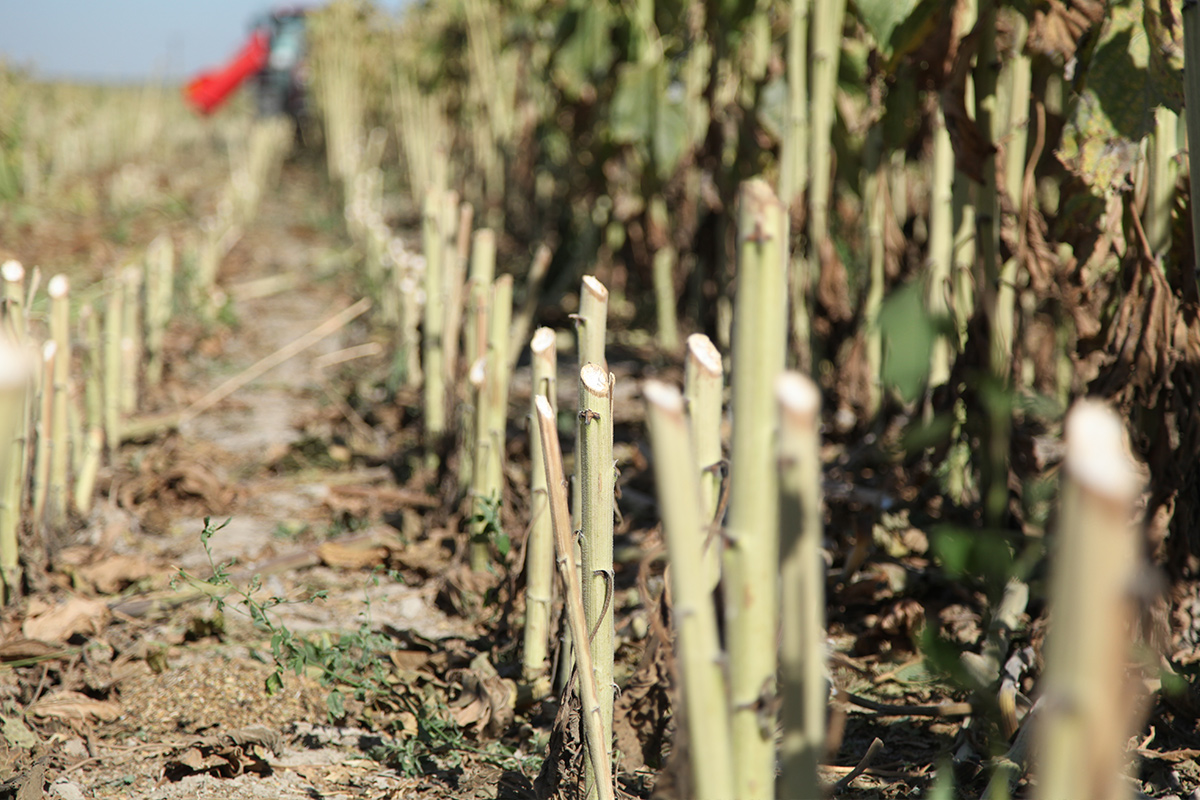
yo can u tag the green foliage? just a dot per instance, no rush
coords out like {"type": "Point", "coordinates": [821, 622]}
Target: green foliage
{"type": "Point", "coordinates": [647, 113]}
{"type": "Point", "coordinates": [354, 661]}
{"type": "Point", "coordinates": [898, 27]}
{"type": "Point", "coordinates": [908, 331]}
{"type": "Point", "coordinates": [587, 52]}
{"type": "Point", "coordinates": [487, 513]}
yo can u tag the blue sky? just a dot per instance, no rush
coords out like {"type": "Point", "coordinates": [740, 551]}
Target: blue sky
{"type": "Point", "coordinates": [117, 40]}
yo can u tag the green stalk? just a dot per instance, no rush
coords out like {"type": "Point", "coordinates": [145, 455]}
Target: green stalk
{"type": "Point", "coordinates": [539, 564]}
{"type": "Point", "coordinates": [593, 718]}
{"type": "Point", "coordinates": [704, 386]}
{"type": "Point", "coordinates": [941, 244]}
{"type": "Point", "coordinates": [60, 440]}
{"type": "Point", "coordinates": [92, 448]}
{"type": "Point", "coordinates": [752, 554]}
{"type": "Point", "coordinates": [705, 694]}
{"type": "Point", "coordinates": [496, 398]}
{"type": "Point", "coordinates": [1164, 173]}
{"type": "Point", "coordinates": [13, 275]}
{"type": "Point", "coordinates": [475, 333]}
{"type": "Point", "coordinates": [112, 370]}
{"type": "Point", "coordinates": [455, 281]}
{"type": "Point", "coordinates": [534, 280]}
{"type": "Point", "coordinates": [594, 455]}
{"type": "Point", "coordinates": [664, 299]}
{"type": "Point", "coordinates": [160, 287]}
{"type": "Point", "coordinates": [1015, 91]}
{"type": "Point", "coordinates": [802, 651]}
{"type": "Point", "coordinates": [1088, 711]}
{"type": "Point", "coordinates": [591, 326]}
{"type": "Point", "coordinates": [1191, 107]}
{"type": "Point", "coordinates": [14, 456]}
{"type": "Point", "coordinates": [876, 197]}
{"type": "Point", "coordinates": [591, 323]}
{"type": "Point", "coordinates": [434, 318]}
{"type": "Point", "coordinates": [43, 426]}
{"type": "Point", "coordinates": [793, 173]}
{"type": "Point", "coordinates": [131, 338]}
{"type": "Point", "coordinates": [15, 379]}
{"type": "Point", "coordinates": [827, 20]}
{"type": "Point", "coordinates": [491, 417]}
{"type": "Point", "coordinates": [987, 221]}
{"type": "Point", "coordinates": [89, 468]}
{"type": "Point", "coordinates": [664, 279]}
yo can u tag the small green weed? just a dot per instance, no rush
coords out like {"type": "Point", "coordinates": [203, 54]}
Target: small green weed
{"type": "Point", "coordinates": [353, 661]}
{"type": "Point", "coordinates": [487, 511]}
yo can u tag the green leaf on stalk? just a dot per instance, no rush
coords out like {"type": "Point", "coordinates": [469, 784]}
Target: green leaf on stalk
{"type": "Point", "coordinates": [648, 112]}
{"type": "Point", "coordinates": [908, 331]}
{"type": "Point", "coordinates": [588, 53]}
{"type": "Point", "coordinates": [899, 26]}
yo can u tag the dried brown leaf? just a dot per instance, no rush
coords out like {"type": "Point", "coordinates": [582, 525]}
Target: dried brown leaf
{"type": "Point", "coordinates": [832, 284]}
{"type": "Point", "coordinates": [68, 705]}
{"type": "Point", "coordinates": [360, 555]}
{"type": "Point", "coordinates": [61, 622]}
{"type": "Point", "coordinates": [109, 574]}
{"type": "Point", "coordinates": [969, 144]}
{"type": "Point", "coordinates": [1058, 26]}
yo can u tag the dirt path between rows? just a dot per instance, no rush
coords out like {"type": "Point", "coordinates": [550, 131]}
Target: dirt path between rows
{"type": "Point", "coordinates": [183, 684]}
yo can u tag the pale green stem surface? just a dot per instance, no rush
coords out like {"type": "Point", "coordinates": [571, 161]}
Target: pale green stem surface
{"type": "Point", "coordinates": [593, 719]}
{"type": "Point", "coordinates": [60, 440]}
{"type": "Point", "coordinates": [802, 651]}
{"type": "Point", "coordinates": [539, 558]}
{"type": "Point", "coordinates": [941, 245]}
{"type": "Point", "coordinates": [434, 319]}
{"type": "Point", "coordinates": [705, 691]}
{"type": "Point", "coordinates": [704, 388]}
{"type": "Point", "coordinates": [752, 555]}
{"type": "Point", "coordinates": [597, 484]}
{"type": "Point", "coordinates": [1089, 709]}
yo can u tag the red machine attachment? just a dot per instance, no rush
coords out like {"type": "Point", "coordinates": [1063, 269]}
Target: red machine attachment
{"type": "Point", "coordinates": [208, 90]}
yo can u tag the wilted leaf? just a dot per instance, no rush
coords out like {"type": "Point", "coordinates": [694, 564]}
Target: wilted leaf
{"type": "Point", "coordinates": [112, 573]}
{"type": "Point", "coordinates": [1057, 26]}
{"type": "Point", "coordinates": [359, 555]}
{"type": "Point", "coordinates": [75, 706]}
{"type": "Point", "coordinates": [61, 622]}
{"type": "Point", "coordinates": [1115, 107]}
{"type": "Point", "coordinates": [17, 733]}
{"type": "Point", "coordinates": [970, 146]}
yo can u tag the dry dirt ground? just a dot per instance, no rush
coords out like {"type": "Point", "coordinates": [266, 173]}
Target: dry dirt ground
{"type": "Point", "coordinates": [147, 690]}
{"type": "Point", "coordinates": [139, 666]}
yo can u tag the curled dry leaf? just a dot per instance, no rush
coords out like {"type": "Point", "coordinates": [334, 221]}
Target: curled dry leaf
{"type": "Point", "coordinates": [61, 622]}
{"type": "Point", "coordinates": [969, 144]}
{"type": "Point", "coordinates": [357, 555]}
{"type": "Point", "coordinates": [75, 706]}
{"type": "Point", "coordinates": [833, 285]}
{"type": "Point", "coordinates": [226, 755]}
{"type": "Point", "coordinates": [109, 574]}
{"type": "Point", "coordinates": [1058, 26]}
{"type": "Point", "coordinates": [486, 701]}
